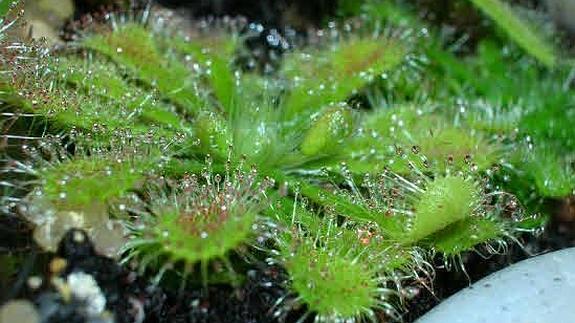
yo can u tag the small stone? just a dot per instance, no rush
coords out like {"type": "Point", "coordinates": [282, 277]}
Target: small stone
{"type": "Point", "coordinates": [85, 288]}
{"type": "Point", "coordinates": [20, 311]}
{"type": "Point", "coordinates": [34, 282]}
{"type": "Point", "coordinates": [57, 265]}
{"type": "Point", "coordinates": [62, 288]}
{"type": "Point", "coordinates": [79, 237]}
{"type": "Point", "coordinates": [108, 238]}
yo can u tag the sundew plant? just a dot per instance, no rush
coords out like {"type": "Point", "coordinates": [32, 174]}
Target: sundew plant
{"type": "Point", "coordinates": [353, 161]}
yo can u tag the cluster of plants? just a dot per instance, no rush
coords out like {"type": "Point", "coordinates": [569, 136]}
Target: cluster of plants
{"type": "Point", "coordinates": [364, 154]}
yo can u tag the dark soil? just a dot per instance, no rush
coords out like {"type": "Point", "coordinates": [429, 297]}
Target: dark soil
{"type": "Point", "coordinates": [132, 299]}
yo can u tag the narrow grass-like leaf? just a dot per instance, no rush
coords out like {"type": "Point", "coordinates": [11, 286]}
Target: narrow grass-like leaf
{"type": "Point", "coordinates": [518, 30]}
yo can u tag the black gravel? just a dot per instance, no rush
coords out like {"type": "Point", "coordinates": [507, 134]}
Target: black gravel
{"type": "Point", "coordinates": [132, 299]}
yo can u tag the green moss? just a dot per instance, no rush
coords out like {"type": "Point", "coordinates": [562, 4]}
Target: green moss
{"type": "Point", "coordinates": [552, 177]}
{"type": "Point", "coordinates": [197, 221]}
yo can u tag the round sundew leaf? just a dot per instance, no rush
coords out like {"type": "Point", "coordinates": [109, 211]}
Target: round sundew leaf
{"type": "Point", "coordinates": [325, 135]}
{"type": "Point", "coordinates": [80, 183]}
{"type": "Point", "coordinates": [332, 285]}
{"type": "Point", "coordinates": [331, 75]}
{"type": "Point", "coordinates": [389, 136]}
{"type": "Point", "coordinates": [212, 132]}
{"type": "Point", "coordinates": [459, 146]}
{"type": "Point", "coordinates": [204, 238]}
{"type": "Point", "coordinates": [445, 201]}
{"type": "Point", "coordinates": [336, 269]}
{"type": "Point", "coordinates": [198, 220]}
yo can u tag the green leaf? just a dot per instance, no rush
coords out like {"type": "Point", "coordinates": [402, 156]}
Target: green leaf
{"type": "Point", "coordinates": [436, 136]}
{"type": "Point", "coordinates": [552, 175]}
{"type": "Point", "coordinates": [134, 48]}
{"type": "Point", "coordinates": [82, 182]}
{"type": "Point", "coordinates": [331, 284]}
{"type": "Point", "coordinates": [464, 235]}
{"type": "Point", "coordinates": [445, 201]}
{"type": "Point", "coordinates": [212, 132]}
{"type": "Point", "coordinates": [518, 30]}
{"type": "Point", "coordinates": [331, 127]}
{"type": "Point", "coordinates": [391, 226]}
{"type": "Point", "coordinates": [5, 6]}
{"type": "Point", "coordinates": [332, 75]}
{"type": "Point", "coordinates": [214, 53]}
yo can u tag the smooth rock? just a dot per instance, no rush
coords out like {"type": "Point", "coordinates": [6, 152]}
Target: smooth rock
{"type": "Point", "coordinates": [19, 311]}
{"type": "Point", "coordinates": [536, 290]}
